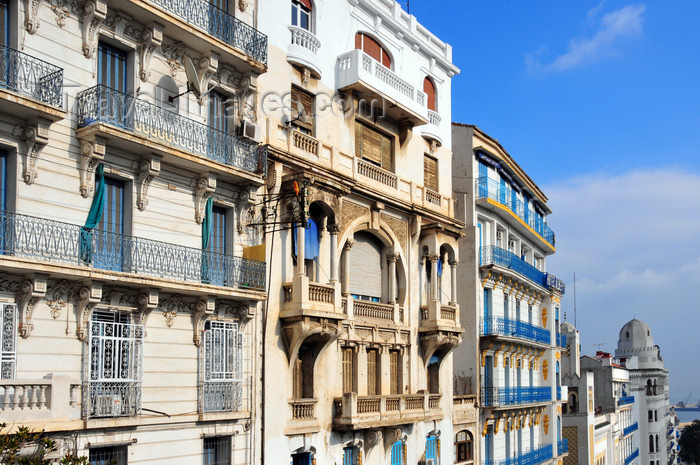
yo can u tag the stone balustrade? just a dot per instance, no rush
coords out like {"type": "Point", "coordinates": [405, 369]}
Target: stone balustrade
{"type": "Point", "coordinates": [360, 412]}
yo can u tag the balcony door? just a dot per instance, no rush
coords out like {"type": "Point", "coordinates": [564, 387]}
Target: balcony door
{"type": "Point", "coordinates": [216, 265]}
{"type": "Point", "coordinates": [111, 67]}
{"type": "Point", "coordinates": [5, 18]}
{"type": "Point", "coordinates": [218, 122]}
{"type": "Point", "coordinates": [111, 246]}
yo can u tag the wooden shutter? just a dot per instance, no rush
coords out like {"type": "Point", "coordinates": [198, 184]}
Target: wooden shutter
{"type": "Point", "coordinates": [373, 146]}
{"type": "Point", "coordinates": [430, 172]}
{"type": "Point", "coordinates": [372, 48]}
{"type": "Point", "coordinates": [365, 266]}
{"type": "Point", "coordinates": [306, 100]}
{"type": "Point", "coordinates": [306, 3]}
{"type": "Point", "coordinates": [347, 369]}
{"type": "Point", "coordinates": [298, 377]}
{"type": "Point", "coordinates": [394, 371]}
{"type": "Point", "coordinates": [429, 89]}
{"type": "Point", "coordinates": [372, 372]}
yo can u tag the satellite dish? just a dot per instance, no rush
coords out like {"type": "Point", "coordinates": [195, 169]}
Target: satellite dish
{"type": "Point", "coordinates": [192, 77]}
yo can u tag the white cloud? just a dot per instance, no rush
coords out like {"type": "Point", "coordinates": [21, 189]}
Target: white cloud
{"type": "Point", "coordinates": [632, 239]}
{"type": "Point", "coordinates": [625, 22]}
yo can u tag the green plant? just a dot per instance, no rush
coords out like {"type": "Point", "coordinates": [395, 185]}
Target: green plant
{"type": "Point", "coordinates": [26, 447]}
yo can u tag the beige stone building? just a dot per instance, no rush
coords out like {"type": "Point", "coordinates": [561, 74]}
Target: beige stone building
{"type": "Point", "coordinates": [363, 314]}
{"type": "Point", "coordinates": [129, 314]}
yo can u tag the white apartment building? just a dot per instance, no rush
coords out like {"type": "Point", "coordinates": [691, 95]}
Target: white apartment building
{"type": "Point", "coordinates": [649, 385]}
{"type": "Point", "coordinates": [129, 288]}
{"type": "Point", "coordinates": [361, 236]}
{"type": "Point", "coordinates": [512, 347]}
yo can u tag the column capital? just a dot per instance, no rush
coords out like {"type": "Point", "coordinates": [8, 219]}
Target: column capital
{"type": "Point", "coordinates": [392, 257]}
{"type": "Point", "coordinates": [348, 244]}
{"type": "Point", "coordinates": [453, 263]}
{"type": "Point", "coordinates": [333, 229]}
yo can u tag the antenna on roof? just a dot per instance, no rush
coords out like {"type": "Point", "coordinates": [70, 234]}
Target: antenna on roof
{"type": "Point", "coordinates": [575, 300]}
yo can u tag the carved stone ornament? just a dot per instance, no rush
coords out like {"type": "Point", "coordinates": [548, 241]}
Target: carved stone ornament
{"type": "Point", "coordinates": [242, 5]}
{"type": "Point", "coordinates": [94, 13]}
{"type": "Point", "coordinates": [59, 294]}
{"type": "Point", "coordinates": [372, 438]}
{"type": "Point", "coordinates": [391, 435]}
{"type": "Point", "coordinates": [206, 185]}
{"type": "Point", "coordinates": [173, 305]}
{"type": "Point", "coordinates": [175, 55]}
{"type": "Point", "coordinates": [151, 40]}
{"type": "Point", "coordinates": [246, 97]}
{"type": "Point", "coordinates": [239, 311]}
{"type": "Point", "coordinates": [31, 19]}
{"type": "Point", "coordinates": [206, 68]}
{"type": "Point", "coordinates": [545, 424]}
{"type": "Point", "coordinates": [35, 136]}
{"type": "Point", "coordinates": [89, 296]}
{"type": "Point", "coordinates": [205, 308]}
{"type": "Point", "coordinates": [92, 152]}
{"type": "Point", "coordinates": [31, 290]}
{"type": "Point", "coordinates": [148, 169]}
{"type": "Point", "coordinates": [245, 203]}
{"type": "Point", "coordinates": [60, 9]}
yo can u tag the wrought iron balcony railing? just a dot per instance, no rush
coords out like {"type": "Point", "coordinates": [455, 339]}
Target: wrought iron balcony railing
{"type": "Point", "coordinates": [221, 396]}
{"type": "Point", "coordinates": [101, 104]}
{"type": "Point", "coordinates": [31, 77]}
{"type": "Point", "coordinates": [630, 458]}
{"type": "Point", "coordinates": [220, 24]}
{"type": "Point", "coordinates": [625, 400]}
{"type": "Point", "coordinates": [500, 326]}
{"type": "Point", "coordinates": [562, 446]}
{"type": "Point", "coordinates": [529, 457]}
{"type": "Point", "coordinates": [54, 241]}
{"type": "Point", "coordinates": [630, 429]}
{"type": "Point", "coordinates": [493, 255]}
{"type": "Point", "coordinates": [490, 189]}
{"type": "Point", "coordinates": [502, 396]}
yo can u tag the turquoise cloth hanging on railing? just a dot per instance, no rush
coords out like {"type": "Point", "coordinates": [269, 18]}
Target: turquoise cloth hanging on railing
{"type": "Point", "coordinates": [94, 216]}
{"type": "Point", "coordinates": [206, 235]}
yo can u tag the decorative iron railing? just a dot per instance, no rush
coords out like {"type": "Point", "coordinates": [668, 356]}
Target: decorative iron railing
{"type": "Point", "coordinates": [500, 326]}
{"type": "Point", "coordinates": [305, 39]}
{"type": "Point", "coordinates": [561, 340]}
{"type": "Point", "coordinates": [493, 255]}
{"type": "Point", "coordinates": [491, 189]}
{"type": "Point", "coordinates": [630, 458]}
{"type": "Point", "coordinates": [101, 104]}
{"type": "Point", "coordinates": [630, 429]}
{"type": "Point", "coordinates": [625, 400]}
{"type": "Point", "coordinates": [54, 241]}
{"type": "Point", "coordinates": [530, 457]}
{"type": "Point", "coordinates": [499, 396]}
{"type": "Point", "coordinates": [562, 446]}
{"type": "Point", "coordinates": [221, 396]}
{"type": "Point", "coordinates": [31, 77]}
{"type": "Point", "coordinates": [220, 24]}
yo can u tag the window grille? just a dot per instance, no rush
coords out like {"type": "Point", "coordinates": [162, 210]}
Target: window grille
{"type": "Point", "coordinates": [8, 340]}
{"type": "Point", "coordinates": [217, 450]}
{"type": "Point", "coordinates": [115, 366]}
{"type": "Point", "coordinates": [114, 455]}
{"type": "Point", "coordinates": [223, 367]}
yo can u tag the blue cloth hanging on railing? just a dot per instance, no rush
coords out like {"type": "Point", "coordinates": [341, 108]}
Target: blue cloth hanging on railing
{"type": "Point", "coordinates": [311, 240]}
{"type": "Point", "coordinates": [206, 236]}
{"type": "Point", "coordinates": [94, 216]}
{"type": "Point", "coordinates": [439, 267]}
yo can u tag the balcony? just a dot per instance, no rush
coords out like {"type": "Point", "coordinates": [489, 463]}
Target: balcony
{"type": "Point", "coordinates": [432, 129]}
{"type": "Point", "coordinates": [500, 326]}
{"type": "Point", "coordinates": [533, 457]}
{"type": "Point", "coordinates": [562, 447]}
{"type": "Point", "coordinates": [377, 84]}
{"type": "Point", "coordinates": [508, 396]}
{"type": "Point", "coordinates": [464, 409]}
{"type": "Point", "coordinates": [57, 242]}
{"type": "Point", "coordinates": [562, 393]}
{"type": "Point", "coordinates": [492, 255]}
{"type": "Point", "coordinates": [390, 314]}
{"type": "Point", "coordinates": [204, 27]}
{"type": "Point", "coordinates": [47, 403]}
{"type": "Point", "coordinates": [303, 50]}
{"type": "Point", "coordinates": [439, 328]}
{"type": "Point", "coordinates": [630, 429]}
{"type": "Point", "coordinates": [625, 401]}
{"type": "Point", "coordinates": [353, 412]}
{"type": "Point", "coordinates": [29, 86]}
{"type": "Point", "coordinates": [376, 173]}
{"type": "Point", "coordinates": [305, 298]}
{"type": "Point", "coordinates": [630, 458]}
{"type": "Point", "coordinates": [220, 396]}
{"type": "Point", "coordinates": [106, 112]}
{"type": "Point", "coordinates": [490, 189]}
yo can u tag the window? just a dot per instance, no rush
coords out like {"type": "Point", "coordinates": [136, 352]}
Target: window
{"type": "Point", "coordinates": [302, 110]}
{"type": "Point", "coordinates": [115, 455]}
{"type": "Point", "coordinates": [220, 4]}
{"type": "Point", "coordinates": [223, 367]}
{"type": "Point", "coordinates": [650, 414]}
{"type": "Point", "coordinates": [218, 104]}
{"type": "Point", "coordinates": [351, 455]}
{"type": "Point", "coordinates": [464, 446]}
{"type": "Point", "coordinates": [116, 356]}
{"type": "Point", "coordinates": [217, 450]}
{"type": "Point", "coordinates": [111, 67]}
{"type": "Point", "coordinates": [434, 375]}
{"type": "Point", "coordinates": [301, 459]}
{"type": "Point", "coordinates": [3, 180]}
{"type": "Point", "coordinates": [395, 371]}
{"type": "Point", "coordinates": [431, 446]}
{"type": "Point", "coordinates": [430, 172]}
{"type": "Point", "coordinates": [372, 48]}
{"type": "Point", "coordinates": [301, 14]}
{"type": "Point", "coordinates": [216, 268]}
{"type": "Point", "coordinates": [8, 340]}
{"type": "Point", "coordinates": [303, 373]}
{"type": "Point", "coordinates": [109, 246]}
{"type": "Point", "coordinates": [373, 146]}
{"type": "Point", "coordinates": [365, 268]}
{"type": "Point", "coordinates": [655, 417]}
{"type": "Point", "coordinates": [397, 453]}
{"type": "Point", "coordinates": [348, 369]}
{"type": "Point", "coordinates": [5, 19]}
{"type": "Point", "coordinates": [429, 89]}
{"type": "Point", "coordinates": [651, 443]}
{"type": "Point", "coordinates": [372, 372]}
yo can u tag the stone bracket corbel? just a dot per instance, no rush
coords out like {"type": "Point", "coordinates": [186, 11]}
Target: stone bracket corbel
{"type": "Point", "coordinates": [152, 40]}
{"type": "Point", "coordinates": [88, 297]}
{"type": "Point", "coordinates": [36, 136]}
{"type": "Point", "coordinates": [31, 18]}
{"type": "Point", "coordinates": [208, 66]}
{"type": "Point", "coordinates": [95, 12]}
{"type": "Point", "coordinates": [205, 307]}
{"type": "Point", "coordinates": [245, 203]}
{"type": "Point", "coordinates": [92, 152]}
{"type": "Point", "coordinates": [148, 169]}
{"type": "Point", "coordinates": [32, 289]}
{"type": "Point", "coordinates": [148, 300]}
{"type": "Point", "coordinates": [390, 435]}
{"type": "Point", "coordinates": [242, 312]}
{"type": "Point", "coordinates": [206, 185]}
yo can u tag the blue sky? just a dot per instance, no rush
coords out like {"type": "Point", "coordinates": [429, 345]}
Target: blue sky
{"type": "Point", "coordinates": [600, 103]}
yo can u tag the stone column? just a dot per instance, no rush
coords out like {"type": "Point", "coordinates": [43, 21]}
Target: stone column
{"type": "Point", "coordinates": [333, 230]}
{"type": "Point", "coordinates": [391, 258]}
{"type": "Point", "coordinates": [453, 289]}
{"type": "Point", "coordinates": [301, 236]}
{"type": "Point", "coordinates": [434, 277]}
{"type": "Point", "coordinates": [346, 266]}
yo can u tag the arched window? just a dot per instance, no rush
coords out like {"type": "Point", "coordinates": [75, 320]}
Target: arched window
{"type": "Point", "coordinates": [366, 268]}
{"type": "Point", "coordinates": [651, 443]}
{"type": "Point", "coordinates": [649, 388]}
{"type": "Point", "coordinates": [434, 375]}
{"type": "Point", "coordinates": [464, 446]}
{"type": "Point", "coordinates": [429, 89]}
{"type": "Point", "coordinates": [301, 14]}
{"type": "Point", "coordinates": [372, 48]}
{"type": "Point", "coordinates": [657, 442]}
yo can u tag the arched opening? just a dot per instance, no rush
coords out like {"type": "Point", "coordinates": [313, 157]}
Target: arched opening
{"type": "Point", "coordinates": [431, 93]}
{"type": "Point", "coordinates": [372, 48]}
{"type": "Point", "coordinates": [302, 14]}
{"type": "Point", "coordinates": [166, 88]}
{"type": "Point", "coordinates": [649, 387]}
{"type": "Point", "coordinates": [320, 264]}
{"type": "Point", "coordinates": [464, 446]}
{"type": "Point", "coordinates": [651, 443]}
{"type": "Point", "coordinates": [434, 375]}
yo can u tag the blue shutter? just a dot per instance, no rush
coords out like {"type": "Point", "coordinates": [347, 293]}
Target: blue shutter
{"type": "Point", "coordinates": [109, 244]}
{"type": "Point", "coordinates": [431, 448]}
{"type": "Point", "coordinates": [5, 18]}
{"type": "Point", "coordinates": [397, 453]}
{"type": "Point", "coordinates": [111, 67]}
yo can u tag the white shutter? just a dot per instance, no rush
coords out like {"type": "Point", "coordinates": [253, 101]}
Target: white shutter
{"type": "Point", "coordinates": [8, 340]}
{"type": "Point", "coordinates": [366, 266]}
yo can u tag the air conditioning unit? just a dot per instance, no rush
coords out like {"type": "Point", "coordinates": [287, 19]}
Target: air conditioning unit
{"type": "Point", "coordinates": [108, 405]}
{"type": "Point", "coordinates": [251, 131]}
